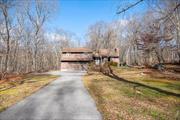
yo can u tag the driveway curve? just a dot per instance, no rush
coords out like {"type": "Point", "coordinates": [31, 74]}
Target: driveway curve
{"type": "Point", "coordinates": [63, 99]}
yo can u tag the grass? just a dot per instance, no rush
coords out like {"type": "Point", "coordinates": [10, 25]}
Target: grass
{"type": "Point", "coordinates": [13, 91]}
{"type": "Point", "coordinates": [166, 81]}
{"type": "Point", "coordinates": [117, 100]}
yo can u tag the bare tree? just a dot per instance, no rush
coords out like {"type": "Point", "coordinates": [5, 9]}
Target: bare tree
{"type": "Point", "coordinates": [26, 47]}
{"type": "Point", "coordinates": [5, 7]}
{"type": "Point", "coordinates": [96, 35]}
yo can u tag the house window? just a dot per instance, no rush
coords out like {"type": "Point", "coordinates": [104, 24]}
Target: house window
{"type": "Point", "coordinates": [67, 54]}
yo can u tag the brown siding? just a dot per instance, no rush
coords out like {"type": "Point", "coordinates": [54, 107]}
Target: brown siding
{"type": "Point", "coordinates": [65, 66]}
{"type": "Point", "coordinates": [115, 60]}
{"type": "Point", "coordinates": [76, 57]}
{"type": "Point", "coordinates": [76, 50]}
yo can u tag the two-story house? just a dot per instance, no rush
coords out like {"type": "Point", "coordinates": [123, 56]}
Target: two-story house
{"type": "Point", "coordinates": [78, 58]}
{"type": "Point", "coordinates": [75, 58]}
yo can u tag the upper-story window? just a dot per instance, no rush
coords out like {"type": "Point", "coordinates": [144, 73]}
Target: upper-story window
{"type": "Point", "coordinates": [67, 54]}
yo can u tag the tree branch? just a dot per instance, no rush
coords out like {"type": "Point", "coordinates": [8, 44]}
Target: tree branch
{"type": "Point", "coordinates": [129, 7]}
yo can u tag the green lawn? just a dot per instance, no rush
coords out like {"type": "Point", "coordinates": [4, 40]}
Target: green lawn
{"type": "Point", "coordinates": [118, 100]}
{"type": "Point", "coordinates": [15, 90]}
{"type": "Point", "coordinates": [151, 78]}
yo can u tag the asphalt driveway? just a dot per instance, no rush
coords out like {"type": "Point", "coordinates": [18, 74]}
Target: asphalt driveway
{"type": "Point", "coordinates": [64, 99]}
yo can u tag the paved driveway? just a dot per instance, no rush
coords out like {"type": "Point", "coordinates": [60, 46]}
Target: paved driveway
{"type": "Point", "coordinates": [64, 99]}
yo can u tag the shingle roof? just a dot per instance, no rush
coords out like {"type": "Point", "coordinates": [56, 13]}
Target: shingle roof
{"type": "Point", "coordinates": [106, 52]}
{"type": "Point", "coordinates": [86, 57]}
{"type": "Point", "coordinates": [77, 50]}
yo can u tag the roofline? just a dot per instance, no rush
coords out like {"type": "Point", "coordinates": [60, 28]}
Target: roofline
{"type": "Point", "coordinates": [76, 60]}
{"type": "Point", "coordinates": [76, 52]}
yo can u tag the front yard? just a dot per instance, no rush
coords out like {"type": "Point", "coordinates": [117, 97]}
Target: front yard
{"type": "Point", "coordinates": [118, 100]}
{"type": "Point", "coordinates": [19, 87]}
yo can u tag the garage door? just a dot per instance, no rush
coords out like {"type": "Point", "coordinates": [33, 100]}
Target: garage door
{"type": "Point", "coordinates": [71, 66]}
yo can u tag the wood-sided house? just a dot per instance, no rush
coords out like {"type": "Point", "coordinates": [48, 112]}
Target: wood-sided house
{"type": "Point", "coordinates": [78, 58]}
{"type": "Point", "coordinates": [75, 58]}
{"type": "Point", "coordinates": [103, 55]}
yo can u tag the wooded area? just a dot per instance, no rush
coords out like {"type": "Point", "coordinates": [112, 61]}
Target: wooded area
{"type": "Point", "coordinates": [24, 46]}
{"type": "Point", "coordinates": [143, 40]}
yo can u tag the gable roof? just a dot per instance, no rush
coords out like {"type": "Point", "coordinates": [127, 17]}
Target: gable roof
{"type": "Point", "coordinates": [104, 52]}
{"type": "Point", "coordinates": [107, 52]}
{"type": "Point", "coordinates": [76, 50]}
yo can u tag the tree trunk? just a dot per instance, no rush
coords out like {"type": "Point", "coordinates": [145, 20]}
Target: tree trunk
{"type": "Point", "coordinates": [5, 13]}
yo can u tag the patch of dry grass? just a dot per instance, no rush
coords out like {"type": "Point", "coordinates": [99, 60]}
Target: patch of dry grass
{"type": "Point", "coordinates": [165, 80]}
{"type": "Point", "coordinates": [117, 100]}
{"type": "Point", "coordinates": [13, 91]}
